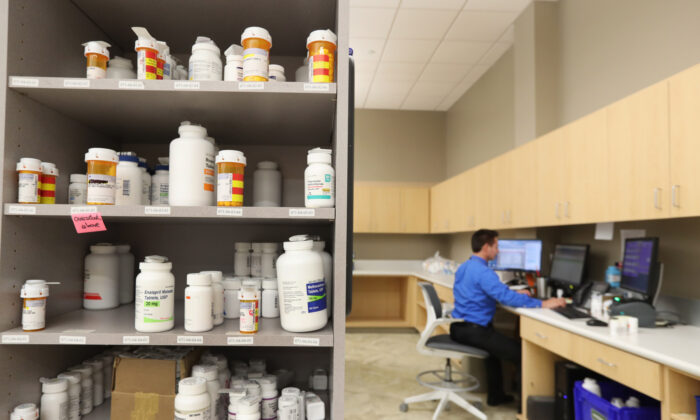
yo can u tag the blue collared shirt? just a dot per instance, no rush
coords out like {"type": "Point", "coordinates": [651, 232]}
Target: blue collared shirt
{"type": "Point", "coordinates": [478, 289]}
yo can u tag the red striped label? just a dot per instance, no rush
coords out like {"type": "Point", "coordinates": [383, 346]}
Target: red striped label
{"type": "Point", "coordinates": [321, 72]}
{"type": "Point", "coordinates": [47, 193]}
{"type": "Point", "coordinates": [92, 296]}
{"type": "Point", "coordinates": [237, 177]}
{"type": "Point", "coordinates": [237, 191]}
{"type": "Point", "coordinates": [321, 57]}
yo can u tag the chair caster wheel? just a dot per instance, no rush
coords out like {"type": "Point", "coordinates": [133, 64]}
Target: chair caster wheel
{"type": "Point", "coordinates": [403, 407]}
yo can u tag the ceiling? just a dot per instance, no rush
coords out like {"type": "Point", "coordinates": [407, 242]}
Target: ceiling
{"type": "Point", "coordinates": [424, 54]}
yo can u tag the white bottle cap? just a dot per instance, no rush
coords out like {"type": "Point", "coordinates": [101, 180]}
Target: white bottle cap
{"type": "Point", "coordinates": [208, 371]}
{"type": "Point", "coordinates": [231, 283]}
{"type": "Point", "coordinates": [123, 248]}
{"type": "Point", "coordinates": [163, 48]}
{"type": "Point", "coordinates": [232, 51]}
{"type": "Point", "coordinates": [216, 276]}
{"type": "Point", "coordinates": [267, 384]}
{"type": "Point", "coordinates": [198, 279]}
{"type": "Point", "coordinates": [29, 164]}
{"type": "Point", "coordinates": [203, 43]}
{"type": "Point", "coordinates": [291, 392]}
{"type": "Point", "coordinates": [322, 35]}
{"type": "Point", "coordinates": [233, 156]}
{"type": "Point", "coordinates": [256, 32]}
{"type": "Point", "coordinates": [253, 388]}
{"type": "Point", "coordinates": [269, 284]}
{"type": "Point", "coordinates": [267, 164]}
{"type": "Point", "coordinates": [298, 245]}
{"type": "Point", "coordinates": [155, 259]}
{"type": "Point", "coordinates": [73, 378]}
{"type": "Point", "coordinates": [78, 178]}
{"type": "Point", "coordinates": [84, 370]}
{"type": "Point", "coordinates": [276, 67]}
{"type": "Point", "coordinates": [48, 168]}
{"type": "Point", "coordinates": [27, 410]}
{"type": "Point", "coordinates": [250, 283]}
{"type": "Point", "coordinates": [53, 385]}
{"type": "Point", "coordinates": [257, 247]}
{"type": "Point", "coordinates": [234, 393]}
{"type": "Point", "coordinates": [97, 47]}
{"type": "Point", "coordinates": [319, 245]}
{"type": "Point", "coordinates": [121, 63]}
{"type": "Point", "coordinates": [103, 248]}
{"type": "Point", "coordinates": [270, 247]}
{"type": "Point", "coordinates": [99, 153]}
{"type": "Point", "coordinates": [243, 246]}
{"type": "Point", "coordinates": [287, 401]}
{"type": "Point", "coordinates": [190, 130]}
{"type": "Point", "coordinates": [319, 155]}
{"type": "Point", "coordinates": [34, 289]}
{"type": "Point", "coordinates": [145, 40]}
{"type": "Point", "coordinates": [192, 386]}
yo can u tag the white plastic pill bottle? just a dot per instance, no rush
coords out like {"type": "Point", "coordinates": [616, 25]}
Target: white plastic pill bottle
{"type": "Point", "coordinates": [270, 299]}
{"type": "Point", "coordinates": [218, 289]}
{"type": "Point", "coordinates": [159, 183]}
{"type": "Point", "coordinates": [233, 72]}
{"type": "Point", "coordinates": [34, 294]}
{"type": "Point", "coordinates": [302, 289]}
{"type": "Point", "coordinates": [145, 182]}
{"type": "Point", "coordinates": [74, 392]}
{"type": "Point", "coordinates": [319, 246]}
{"type": "Point", "coordinates": [288, 408]}
{"type": "Point", "coordinates": [232, 285]}
{"type": "Point", "coordinates": [256, 260]}
{"type": "Point", "coordinates": [108, 361]}
{"type": "Point", "coordinates": [249, 406]}
{"type": "Point", "coordinates": [192, 168]}
{"type": "Point", "coordinates": [269, 396]}
{"type": "Point", "coordinates": [235, 394]}
{"type": "Point", "coordinates": [199, 303]}
{"type": "Point", "coordinates": [249, 301]}
{"type": "Point", "coordinates": [98, 381]}
{"type": "Point", "coordinates": [210, 373]}
{"type": "Point", "coordinates": [192, 401]}
{"type": "Point", "coordinates": [86, 386]}
{"type": "Point", "coordinates": [269, 260]}
{"type": "Point", "coordinates": [241, 259]}
{"type": "Point", "coordinates": [276, 73]}
{"type": "Point", "coordinates": [155, 295]}
{"type": "Point", "coordinates": [205, 61]}
{"type": "Point", "coordinates": [267, 185]}
{"type": "Point", "coordinates": [26, 411]}
{"type": "Point", "coordinates": [77, 189]}
{"type": "Point", "coordinates": [127, 261]}
{"type": "Point", "coordinates": [101, 286]}
{"type": "Point", "coordinates": [319, 179]}
{"type": "Point", "coordinates": [54, 399]}
{"type": "Point", "coordinates": [128, 180]}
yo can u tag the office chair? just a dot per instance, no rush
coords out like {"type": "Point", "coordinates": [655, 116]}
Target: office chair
{"type": "Point", "coordinates": [446, 384]}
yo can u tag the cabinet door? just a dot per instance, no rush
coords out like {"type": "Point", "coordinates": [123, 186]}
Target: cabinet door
{"type": "Point", "coordinates": [587, 197]}
{"type": "Point", "coordinates": [639, 155]}
{"type": "Point", "coordinates": [462, 216]}
{"type": "Point", "coordinates": [483, 212]}
{"type": "Point", "coordinates": [552, 176]}
{"type": "Point", "coordinates": [361, 212]}
{"type": "Point", "coordinates": [415, 209]}
{"type": "Point", "coordinates": [501, 190]}
{"type": "Point", "coordinates": [439, 208]}
{"type": "Point", "coordinates": [685, 143]}
{"type": "Point", "coordinates": [523, 180]}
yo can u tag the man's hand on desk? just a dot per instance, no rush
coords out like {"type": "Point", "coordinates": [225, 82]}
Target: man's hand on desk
{"type": "Point", "coordinates": [553, 303]}
{"type": "Point", "coordinates": [524, 292]}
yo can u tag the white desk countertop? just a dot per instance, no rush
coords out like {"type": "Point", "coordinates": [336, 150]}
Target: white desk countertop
{"type": "Point", "coordinates": [677, 347]}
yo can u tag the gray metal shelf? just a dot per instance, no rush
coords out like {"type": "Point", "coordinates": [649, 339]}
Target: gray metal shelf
{"type": "Point", "coordinates": [176, 213]}
{"type": "Point", "coordinates": [116, 327]}
{"type": "Point", "coordinates": [150, 111]}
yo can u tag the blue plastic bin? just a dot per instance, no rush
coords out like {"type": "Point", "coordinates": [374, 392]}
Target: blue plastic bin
{"type": "Point", "coordinates": [697, 407]}
{"type": "Point", "coordinates": [589, 406]}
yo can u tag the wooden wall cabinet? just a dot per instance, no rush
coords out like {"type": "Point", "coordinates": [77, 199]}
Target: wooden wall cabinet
{"type": "Point", "coordinates": [391, 208]}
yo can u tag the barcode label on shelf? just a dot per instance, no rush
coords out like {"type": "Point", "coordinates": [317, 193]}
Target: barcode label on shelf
{"type": "Point", "coordinates": [130, 84]}
{"type": "Point", "coordinates": [251, 85]}
{"type": "Point", "coordinates": [72, 339]}
{"type": "Point", "coordinates": [302, 212]}
{"type": "Point", "coordinates": [15, 339]}
{"type": "Point", "coordinates": [83, 209]}
{"type": "Point", "coordinates": [240, 341]}
{"type": "Point", "coordinates": [229, 211]}
{"type": "Point", "coordinates": [186, 85]}
{"type": "Point", "coordinates": [24, 82]}
{"type": "Point", "coordinates": [190, 339]}
{"type": "Point", "coordinates": [76, 83]}
{"type": "Point", "coordinates": [307, 341]}
{"type": "Point", "coordinates": [157, 210]}
{"type": "Point", "coordinates": [136, 339]}
{"type": "Point", "coordinates": [21, 210]}
{"type": "Point", "coordinates": [317, 87]}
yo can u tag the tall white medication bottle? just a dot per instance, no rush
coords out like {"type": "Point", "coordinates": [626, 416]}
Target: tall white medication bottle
{"type": "Point", "coordinates": [241, 259]}
{"type": "Point", "coordinates": [256, 260]}
{"type": "Point", "coordinates": [267, 185]}
{"type": "Point", "coordinates": [319, 246]}
{"type": "Point", "coordinates": [54, 399]}
{"type": "Point", "coordinates": [319, 179]}
{"type": "Point", "coordinates": [232, 285]}
{"type": "Point", "coordinates": [26, 411]}
{"type": "Point", "coordinates": [108, 360]}
{"type": "Point", "coordinates": [145, 182]}
{"type": "Point", "coordinates": [128, 180]}
{"type": "Point", "coordinates": [270, 299]}
{"type": "Point", "coordinates": [233, 72]}
{"type": "Point", "coordinates": [155, 295]}
{"type": "Point", "coordinates": [210, 373]}
{"type": "Point", "coordinates": [98, 381]}
{"type": "Point", "coordinates": [159, 183]}
{"type": "Point", "coordinates": [127, 261]}
{"type": "Point", "coordinates": [205, 61]}
{"type": "Point", "coordinates": [302, 289]}
{"type": "Point", "coordinates": [101, 285]}
{"type": "Point", "coordinates": [77, 189]}
{"type": "Point", "coordinates": [199, 303]}
{"type": "Point", "coordinates": [269, 260]}
{"type": "Point", "coordinates": [74, 391]}
{"type": "Point", "coordinates": [192, 401]}
{"type": "Point", "coordinates": [218, 290]}
{"type": "Point", "coordinates": [192, 168]}
{"type": "Point", "coordinates": [86, 387]}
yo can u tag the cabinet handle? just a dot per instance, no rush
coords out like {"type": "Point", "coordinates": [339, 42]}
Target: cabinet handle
{"type": "Point", "coordinates": [556, 210]}
{"type": "Point", "coordinates": [657, 204]}
{"type": "Point", "coordinates": [674, 195]}
{"type": "Point", "coordinates": [566, 209]}
{"type": "Point", "coordinates": [503, 217]}
{"type": "Point", "coordinates": [509, 219]}
{"type": "Point", "coordinates": [542, 336]}
{"type": "Point", "coordinates": [606, 363]}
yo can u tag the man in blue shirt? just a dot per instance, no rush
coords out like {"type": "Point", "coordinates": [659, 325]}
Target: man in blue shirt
{"type": "Point", "coordinates": [477, 290]}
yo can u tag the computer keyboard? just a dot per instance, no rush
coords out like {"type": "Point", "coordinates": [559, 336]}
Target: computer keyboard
{"type": "Point", "coordinates": [571, 312]}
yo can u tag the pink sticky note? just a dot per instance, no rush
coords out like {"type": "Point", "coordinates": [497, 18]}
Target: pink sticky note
{"type": "Point", "coordinates": [88, 222]}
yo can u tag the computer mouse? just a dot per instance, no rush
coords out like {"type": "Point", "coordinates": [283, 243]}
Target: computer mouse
{"type": "Point", "coordinates": [596, 323]}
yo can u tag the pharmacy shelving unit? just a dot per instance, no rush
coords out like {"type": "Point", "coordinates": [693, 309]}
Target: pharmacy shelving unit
{"type": "Point", "coordinates": [48, 111]}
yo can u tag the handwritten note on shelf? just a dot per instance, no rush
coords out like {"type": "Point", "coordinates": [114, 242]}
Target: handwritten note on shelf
{"type": "Point", "coordinates": [88, 222]}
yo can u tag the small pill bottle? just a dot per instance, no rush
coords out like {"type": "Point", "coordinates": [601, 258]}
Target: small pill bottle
{"type": "Point", "coordinates": [34, 294]}
{"type": "Point", "coordinates": [256, 43]}
{"type": "Point", "coordinates": [249, 298]}
{"type": "Point", "coordinates": [146, 48]}
{"type": "Point", "coordinates": [97, 56]}
{"type": "Point", "coordinates": [101, 176]}
{"type": "Point", "coordinates": [230, 165]}
{"type": "Point", "coordinates": [77, 189]}
{"type": "Point", "coordinates": [29, 175]}
{"type": "Point", "coordinates": [321, 45]}
{"type": "Point", "coordinates": [49, 173]}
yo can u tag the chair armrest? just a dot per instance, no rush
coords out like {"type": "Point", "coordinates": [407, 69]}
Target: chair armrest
{"type": "Point", "coordinates": [447, 309]}
{"type": "Point", "coordinates": [430, 329]}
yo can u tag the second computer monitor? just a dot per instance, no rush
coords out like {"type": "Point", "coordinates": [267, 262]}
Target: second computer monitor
{"type": "Point", "coordinates": [569, 264]}
{"type": "Point", "coordinates": [518, 255]}
{"type": "Point", "coordinates": [640, 267]}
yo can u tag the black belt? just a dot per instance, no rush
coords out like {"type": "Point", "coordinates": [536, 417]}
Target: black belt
{"type": "Point", "coordinates": [473, 325]}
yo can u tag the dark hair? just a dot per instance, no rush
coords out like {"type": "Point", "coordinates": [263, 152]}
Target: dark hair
{"type": "Point", "coordinates": [482, 237]}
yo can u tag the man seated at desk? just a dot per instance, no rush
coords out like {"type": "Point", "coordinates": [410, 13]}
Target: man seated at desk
{"type": "Point", "coordinates": [477, 290]}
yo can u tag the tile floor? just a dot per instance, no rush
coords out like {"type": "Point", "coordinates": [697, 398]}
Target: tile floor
{"type": "Point", "coordinates": [381, 368]}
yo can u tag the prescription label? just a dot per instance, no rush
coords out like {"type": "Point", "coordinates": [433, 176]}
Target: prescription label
{"type": "Point", "coordinates": [230, 212]}
{"type": "Point", "coordinates": [136, 339]}
{"type": "Point", "coordinates": [157, 210]}
{"type": "Point", "coordinates": [307, 341]}
{"type": "Point", "coordinates": [72, 339]}
{"type": "Point", "coordinates": [240, 341]}
{"type": "Point", "coordinates": [21, 210]}
{"type": "Point", "coordinates": [15, 339]}
{"type": "Point", "coordinates": [24, 82]}
{"type": "Point", "coordinates": [302, 212]}
{"type": "Point", "coordinates": [186, 85]}
{"type": "Point", "coordinates": [190, 339]}
{"type": "Point", "coordinates": [76, 83]}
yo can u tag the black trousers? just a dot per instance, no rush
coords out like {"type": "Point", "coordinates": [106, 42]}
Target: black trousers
{"type": "Point", "coordinates": [499, 347]}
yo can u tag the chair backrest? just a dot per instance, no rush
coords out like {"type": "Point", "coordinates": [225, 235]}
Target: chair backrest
{"type": "Point", "coordinates": [431, 299]}
{"type": "Point", "coordinates": [433, 309]}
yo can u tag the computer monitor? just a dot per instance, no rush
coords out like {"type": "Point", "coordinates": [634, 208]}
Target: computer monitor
{"type": "Point", "coordinates": [640, 269]}
{"type": "Point", "coordinates": [569, 265]}
{"type": "Point", "coordinates": [518, 255]}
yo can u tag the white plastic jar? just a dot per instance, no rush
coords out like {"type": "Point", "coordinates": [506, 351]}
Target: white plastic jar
{"type": "Point", "coordinates": [98, 381]}
{"type": "Point", "coordinates": [191, 168]}
{"type": "Point", "coordinates": [224, 374]}
{"type": "Point", "coordinates": [270, 299]}
{"type": "Point", "coordinates": [108, 362]}
{"type": "Point", "coordinates": [127, 261]}
{"type": "Point", "coordinates": [249, 301]}
{"type": "Point", "coordinates": [77, 189]}
{"type": "Point", "coordinates": [74, 391]}
{"type": "Point", "coordinates": [54, 399]}
{"type": "Point", "coordinates": [256, 260]}
{"type": "Point", "coordinates": [241, 259]}
{"type": "Point", "coordinates": [233, 72]}
{"type": "Point", "coordinates": [205, 61]}
{"type": "Point", "coordinates": [276, 73]}
{"type": "Point", "coordinates": [128, 180]}
{"type": "Point", "coordinates": [155, 295]}
{"type": "Point", "coordinates": [145, 182]}
{"type": "Point", "coordinates": [232, 285]}
{"type": "Point", "coordinates": [27, 411]}
{"type": "Point", "coordinates": [101, 286]}
{"type": "Point", "coordinates": [199, 303]}
{"type": "Point", "coordinates": [235, 394]}
{"type": "Point", "coordinates": [34, 294]}
{"type": "Point", "coordinates": [120, 68]}
{"type": "Point", "coordinates": [192, 401]}
{"type": "Point", "coordinates": [269, 396]}
{"type": "Point", "coordinates": [267, 185]}
{"type": "Point", "coordinates": [29, 173]}
{"type": "Point", "coordinates": [319, 246]}
{"type": "Point", "coordinates": [269, 260]}
{"type": "Point", "coordinates": [86, 385]}
{"type": "Point", "coordinates": [218, 289]}
{"type": "Point", "coordinates": [159, 183]}
{"type": "Point", "coordinates": [248, 407]}
{"type": "Point", "coordinates": [288, 408]}
{"type": "Point", "coordinates": [210, 373]}
{"type": "Point", "coordinates": [319, 179]}
{"type": "Point", "coordinates": [302, 289]}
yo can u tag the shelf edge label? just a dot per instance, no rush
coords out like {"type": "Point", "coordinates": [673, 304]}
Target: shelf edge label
{"type": "Point", "coordinates": [302, 212]}
{"type": "Point", "coordinates": [24, 82]}
{"type": "Point", "coordinates": [76, 83]}
{"type": "Point", "coordinates": [229, 211]}
{"type": "Point", "coordinates": [15, 339]}
{"type": "Point", "coordinates": [190, 339]}
{"type": "Point", "coordinates": [317, 87]}
{"type": "Point", "coordinates": [307, 341]}
{"type": "Point", "coordinates": [186, 85]}
{"type": "Point", "coordinates": [251, 85]}
{"type": "Point", "coordinates": [21, 209]}
{"type": "Point", "coordinates": [130, 84]}
{"type": "Point", "coordinates": [136, 339]}
{"type": "Point", "coordinates": [240, 341]}
{"type": "Point", "coordinates": [83, 209]}
{"type": "Point", "coordinates": [157, 210]}
{"type": "Point", "coordinates": [72, 339]}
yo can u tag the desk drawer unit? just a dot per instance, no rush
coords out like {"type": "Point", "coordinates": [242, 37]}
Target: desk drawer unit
{"type": "Point", "coordinates": [551, 338]}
